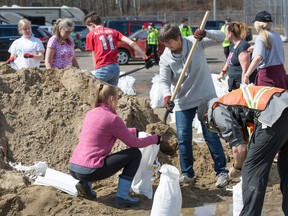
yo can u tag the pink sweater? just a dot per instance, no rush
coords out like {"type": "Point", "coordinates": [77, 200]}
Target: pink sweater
{"type": "Point", "coordinates": [100, 130]}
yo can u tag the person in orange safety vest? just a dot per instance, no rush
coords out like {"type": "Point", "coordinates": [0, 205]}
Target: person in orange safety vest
{"type": "Point", "coordinates": [264, 108]}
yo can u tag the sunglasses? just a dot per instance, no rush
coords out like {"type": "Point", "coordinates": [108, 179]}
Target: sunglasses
{"type": "Point", "coordinates": [67, 31]}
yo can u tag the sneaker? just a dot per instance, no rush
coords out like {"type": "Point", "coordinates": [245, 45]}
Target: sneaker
{"type": "Point", "coordinates": [84, 190]}
{"type": "Point", "coordinates": [185, 180]}
{"type": "Point", "coordinates": [222, 180]}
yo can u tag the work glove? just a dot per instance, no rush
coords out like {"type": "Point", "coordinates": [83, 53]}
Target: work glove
{"type": "Point", "coordinates": [160, 139]}
{"type": "Point", "coordinates": [11, 59]}
{"type": "Point", "coordinates": [234, 172]}
{"type": "Point", "coordinates": [169, 105]}
{"type": "Point", "coordinates": [148, 62]}
{"type": "Point", "coordinates": [28, 55]}
{"type": "Point", "coordinates": [199, 34]}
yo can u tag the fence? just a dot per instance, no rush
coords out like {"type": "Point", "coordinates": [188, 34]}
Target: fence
{"type": "Point", "coordinates": [277, 8]}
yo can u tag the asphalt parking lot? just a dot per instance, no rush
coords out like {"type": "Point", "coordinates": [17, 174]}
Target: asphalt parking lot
{"type": "Point", "coordinates": [143, 78]}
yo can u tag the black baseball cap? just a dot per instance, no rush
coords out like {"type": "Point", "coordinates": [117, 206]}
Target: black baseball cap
{"type": "Point", "coordinates": [228, 19]}
{"type": "Point", "coordinates": [263, 16]}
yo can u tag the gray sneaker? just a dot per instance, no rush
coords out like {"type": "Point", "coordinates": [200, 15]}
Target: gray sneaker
{"type": "Point", "coordinates": [222, 180]}
{"type": "Point", "coordinates": [185, 180]}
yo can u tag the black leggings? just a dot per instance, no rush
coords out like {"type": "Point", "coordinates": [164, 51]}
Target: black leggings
{"type": "Point", "coordinates": [129, 159]}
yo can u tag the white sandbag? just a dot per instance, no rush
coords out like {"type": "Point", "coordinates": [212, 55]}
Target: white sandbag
{"type": "Point", "coordinates": [168, 197]}
{"type": "Point", "coordinates": [33, 171]}
{"type": "Point", "coordinates": [237, 198]}
{"type": "Point", "coordinates": [126, 84]}
{"type": "Point", "coordinates": [142, 182]}
{"type": "Point", "coordinates": [59, 180]}
{"type": "Point", "coordinates": [156, 96]}
{"type": "Point", "coordinates": [221, 88]}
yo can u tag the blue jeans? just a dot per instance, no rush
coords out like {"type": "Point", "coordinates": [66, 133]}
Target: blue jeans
{"type": "Point", "coordinates": [184, 121]}
{"type": "Point", "coordinates": [109, 73]}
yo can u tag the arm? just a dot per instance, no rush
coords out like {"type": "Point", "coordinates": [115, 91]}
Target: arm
{"type": "Point", "coordinates": [39, 55]}
{"type": "Point", "coordinates": [239, 154]}
{"type": "Point", "coordinates": [75, 62]}
{"type": "Point", "coordinates": [93, 59]}
{"type": "Point", "coordinates": [231, 132]}
{"type": "Point", "coordinates": [213, 37]}
{"type": "Point", "coordinates": [134, 46]}
{"type": "Point", "coordinates": [254, 64]}
{"type": "Point", "coordinates": [121, 132]}
{"type": "Point", "coordinates": [244, 59]}
{"type": "Point", "coordinates": [223, 72]}
{"type": "Point", "coordinates": [49, 57]}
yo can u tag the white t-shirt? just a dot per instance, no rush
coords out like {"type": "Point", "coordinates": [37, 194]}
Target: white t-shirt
{"type": "Point", "coordinates": [23, 45]}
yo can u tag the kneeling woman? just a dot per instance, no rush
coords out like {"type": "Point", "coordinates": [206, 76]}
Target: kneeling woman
{"type": "Point", "coordinates": [91, 159]}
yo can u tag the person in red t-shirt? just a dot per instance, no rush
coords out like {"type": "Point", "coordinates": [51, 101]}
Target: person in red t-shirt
{"type": "Point", "coordinates": [102, 41]}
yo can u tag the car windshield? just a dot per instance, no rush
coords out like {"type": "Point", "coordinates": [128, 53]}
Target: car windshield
{"type": "Point", "coordinates": [79, 28]}
{"type": "Point", "coordinates": [141, 35]}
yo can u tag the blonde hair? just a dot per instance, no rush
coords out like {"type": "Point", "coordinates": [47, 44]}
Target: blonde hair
{"type": "Point", "coordinates": [23, 22]}
{"type": "Point", "coordinates": [262, 29]}
{"type": "Point", "coordinates": [239, 29]}
{"type": "Point", "coordinates": [104, 91]}
{"type": "Point", "coordinates": [62, 23]}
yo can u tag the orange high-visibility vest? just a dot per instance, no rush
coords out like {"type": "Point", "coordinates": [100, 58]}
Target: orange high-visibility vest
{"type": "Point", "coordinates": [252, 97]}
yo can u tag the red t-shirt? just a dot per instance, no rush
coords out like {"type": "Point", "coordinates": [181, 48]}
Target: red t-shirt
{"type": "Point", "coordinates": [103, 41]}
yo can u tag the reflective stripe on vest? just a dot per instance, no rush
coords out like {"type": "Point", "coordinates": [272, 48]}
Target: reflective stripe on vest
{"type": "Point", "coordinates": [252, 97]}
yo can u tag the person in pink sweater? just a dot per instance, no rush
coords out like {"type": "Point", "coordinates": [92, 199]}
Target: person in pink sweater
{"type": "Point", "coordinates": [92, 160]}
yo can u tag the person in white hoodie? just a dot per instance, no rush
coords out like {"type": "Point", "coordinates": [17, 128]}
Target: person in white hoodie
{"type": "Point", "coordinates": [197, 86]}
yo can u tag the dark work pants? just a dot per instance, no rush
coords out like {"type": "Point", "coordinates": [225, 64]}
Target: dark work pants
{"type": "Point", "coordinates": [152, 48]}
{"type": "Point", "coordinates": [263, 147]}
{"type": "Point", "coordinates": [129, 159]}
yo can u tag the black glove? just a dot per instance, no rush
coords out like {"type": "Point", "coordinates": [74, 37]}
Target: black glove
{"type": "Point", "coordinates": [199, 34]}
{"type": "Point", "coordinates": [148, 62]}
{"type": "Point", "coordinates": [168, 103]}
{"type": "Point", "coordinates": [160, 139]}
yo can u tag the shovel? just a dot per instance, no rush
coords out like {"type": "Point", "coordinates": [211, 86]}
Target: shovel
{"type": "Point", "coordinates": [188, 61]}
{"type": "Point", "coordinates": [132, 71]}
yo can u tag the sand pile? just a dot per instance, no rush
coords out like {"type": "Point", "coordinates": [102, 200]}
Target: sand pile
{"type": "Point", "coordinates": [41, 115]}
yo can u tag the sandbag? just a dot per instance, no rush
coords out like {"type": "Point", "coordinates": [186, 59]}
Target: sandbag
{"type": "Point", "coordinates": [237, 198]}
{"type": "Point", "coordinates": [147, 171]}
{"type": "Point", "coordinates": [168, 197]}
{"type": "Point", "coordinates": [156, 96]}
{"type": "Point", "coordinates": [126, 84]}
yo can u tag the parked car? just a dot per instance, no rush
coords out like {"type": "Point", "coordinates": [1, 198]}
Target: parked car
{"type": "Point", "coordinates": [9, 33]}
{"type": "Point", "coordinates": [128, 27]}
{"type": "Point", "coordinates": [127, 53]}
{"type": "Point", "coordinates": [75, 35]}
{"type": "Point", "coordinates": [79, 37]}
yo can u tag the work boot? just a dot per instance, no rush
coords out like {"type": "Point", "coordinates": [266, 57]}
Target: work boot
{"type": "Point", "coordinates": [122, 197]}
{"type": "Point", "coordinates": [222, 180]}
{"type": "Point", "coordinates": [84, 189]}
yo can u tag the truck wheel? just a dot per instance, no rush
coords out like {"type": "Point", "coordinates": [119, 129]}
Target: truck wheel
{"type": "Point", "coordinates": [123, 56]}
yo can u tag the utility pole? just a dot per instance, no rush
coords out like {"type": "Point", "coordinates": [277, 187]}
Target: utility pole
{"type": "Point", "coordinates": [285, 11]}
{"type": "Point", "coordinates": [214, 9]}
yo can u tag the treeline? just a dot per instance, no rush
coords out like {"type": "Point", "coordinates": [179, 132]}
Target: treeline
{"type": "Point", "coordinates": [131, 7]}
